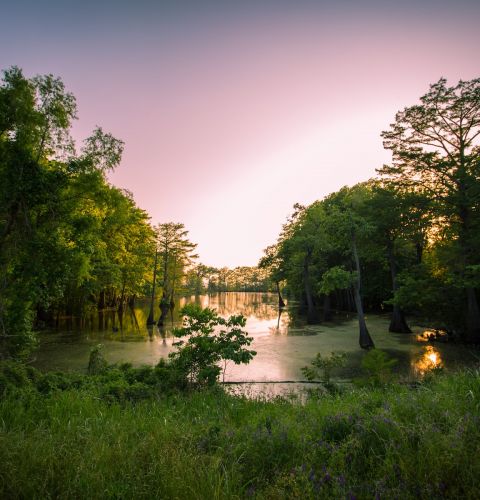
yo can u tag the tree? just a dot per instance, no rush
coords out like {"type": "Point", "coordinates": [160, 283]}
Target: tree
{"type": "Point", "coordinates": [298, 248]}
{"type": "Point", "coordinates": [390, 215]}
{"type": "Point", "coordinates": [272, 262]}
{"type": "Point", "coordinates": [345, 227]}
{"type": "Point", "coordinates": [176, 253]}
{"type": "Point", "coordinates": [436, 151]}
{"type": "Point", "coordinates": [35, 116]}
{"type": "Point", "coordinates": [66, 236]}
{"type": "Point", "coordinates": [211, 341]}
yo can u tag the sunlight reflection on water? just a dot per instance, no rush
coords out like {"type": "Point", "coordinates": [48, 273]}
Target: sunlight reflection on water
{"type": "Point", "coordinates": [429, 359]}
{"type": "Point", "coordinates": [284, 342]}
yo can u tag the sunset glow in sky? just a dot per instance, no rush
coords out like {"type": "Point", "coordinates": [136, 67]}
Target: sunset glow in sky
{"type": "Point", "coordinates": [233, 111]}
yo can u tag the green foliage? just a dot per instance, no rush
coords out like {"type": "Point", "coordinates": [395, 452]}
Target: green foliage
{"type": "Point", "coordinates": [211, 341]}
{"type": "Point", "coordinates": [336, 278]}
{"type": "Point", "coordinates": [435, 152]}
{"type": "Point", "coordinates": [378, 366]}
{"type": "Point", "coordinates": [114, 433]}
{"type": "Point", "coordinates": [68, 240]}
{"type": "Point", "coordinates": [14, 375]}
{"type": "Point", "coordinates": [322, 366]}
{"type": "Point", "coordinates": [411, 235]}
{"type": "Point", "coordinates": [97, 363]}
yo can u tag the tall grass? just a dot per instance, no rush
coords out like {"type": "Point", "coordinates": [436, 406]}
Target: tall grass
{"type": "Point", "coordinates": [77, 441]}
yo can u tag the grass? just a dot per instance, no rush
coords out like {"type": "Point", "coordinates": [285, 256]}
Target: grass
{"type": "Point", "coordinates": [117, 435]}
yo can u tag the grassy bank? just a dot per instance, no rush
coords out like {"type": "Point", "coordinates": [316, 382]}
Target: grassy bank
{"type": "Point", "coordinates": [114, 435]}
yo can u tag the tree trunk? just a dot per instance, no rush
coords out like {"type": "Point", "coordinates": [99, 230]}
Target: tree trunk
{"type": "Point", "coordinates": [101, 300]}
{"type": "Point", "coordinates": [121, 301]}
{"type": "Point", "coordinates": [164, 308]}
{"type": "Point", "coordinates": [172, 288]}
{"type": "Point", "coordinates": [311, 313]}
{"type": "Point", "coordinates": [365, 340]}
{"type": "Point", "coordinates": [281, 303]}
{"type": "Point", "coordinates": [398, 324]}
{"type": "Point", "coordinates": [151, 318]}
{"type": "Point", "coordinates": [164, 301]}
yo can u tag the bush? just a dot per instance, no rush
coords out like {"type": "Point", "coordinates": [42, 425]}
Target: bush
{"type": "Point", "coordinates": [378, 366]}
{"type": "Point", "coordinates": [198, 358]}
{"type": "Point", "coordinates": [367, 443]}
{"type": "Point", "coordinates": [322, 366]}
{"type": "Point", "coordinates": [15, 375]}
{"type": "Point", "coordinates": [97, 363]}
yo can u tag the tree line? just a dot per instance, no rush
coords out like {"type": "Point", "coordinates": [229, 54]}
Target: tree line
{"type": "Point", "coordinates": [406, 240]}
{"type": "Point", "coordinates": [70, 241]}
{"type": "Point", "coordinates": [207, 279]}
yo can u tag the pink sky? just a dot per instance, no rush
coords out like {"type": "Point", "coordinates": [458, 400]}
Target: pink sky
{"type": "Point", "coordinates": [231, 115]}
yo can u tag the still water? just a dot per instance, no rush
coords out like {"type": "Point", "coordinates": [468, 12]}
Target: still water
{"type": "Point", "coordinates": [283, 341]}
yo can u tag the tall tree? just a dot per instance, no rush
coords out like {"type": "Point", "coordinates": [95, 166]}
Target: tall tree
{"type": "Point", "coordinates": [345, 227]}
{"type": "Point", "coordinates": [176, 253]}
{"type": "Point", "coordinates": [44, 247]}
{"type": "Point", "coordinates": [436, 151]}
{"type": "Point", "coordinates": [272, 262]}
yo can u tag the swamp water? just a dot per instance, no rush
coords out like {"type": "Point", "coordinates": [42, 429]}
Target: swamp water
{"type": "Point", "coordinates": [284, 342]}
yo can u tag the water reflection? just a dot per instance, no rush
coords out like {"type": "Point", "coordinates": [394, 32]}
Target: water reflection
{"type": "Point", "coordinates": [261, 306]}
{"type": "Point", "coordinates": [283, 340]}
{"type": "Point", "coordinates": [429, 359]}
{"type": "Point", "coordinates": [433, 336]}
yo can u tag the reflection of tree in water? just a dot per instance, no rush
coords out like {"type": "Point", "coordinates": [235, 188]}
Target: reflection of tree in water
{"type": "Point", "coordinates": [282, 324]}
{"type": "Point", "coordinates": [259, 305]}
{"type": "Point", "coordinates": [130, 322]}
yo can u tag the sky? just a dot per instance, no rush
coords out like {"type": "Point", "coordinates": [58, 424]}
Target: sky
{"type": "Point", "coordinates": [232, 111]}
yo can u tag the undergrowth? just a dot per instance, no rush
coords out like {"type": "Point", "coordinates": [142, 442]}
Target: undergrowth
{"type": "Point", "coordinates": [125, 433]}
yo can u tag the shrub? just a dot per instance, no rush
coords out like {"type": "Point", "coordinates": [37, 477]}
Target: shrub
{"type": "Point", "coordinates": [322, 366]}
{"type": "Point", "coordinates": [378, 367]}
{"type": "Point", "coordinates": [198, 358]}
{"type": "Point", "coordinates": [14, 375]}
{"type": "Point", "coordinates": [97, 363]}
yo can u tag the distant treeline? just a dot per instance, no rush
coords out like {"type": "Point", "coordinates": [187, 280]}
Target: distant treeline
{"type": "Point", "coordinates": [406, 241]}
{"type": "Point", "coordinates": [204, 279]}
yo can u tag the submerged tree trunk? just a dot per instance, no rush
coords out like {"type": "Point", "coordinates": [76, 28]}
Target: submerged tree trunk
{"type": "Point", "coordinates": [151, 318]}
{"type": "Point", "coordinates": [164, 308]}
{"type": "Point", "coordinates": [365, 340]}
{"type": "Point", "coordinates": [281, 303]}
{"type": "Point", "coordinates": [311, 313]}
{"type": "Point", "coordinates": [398, 323]}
